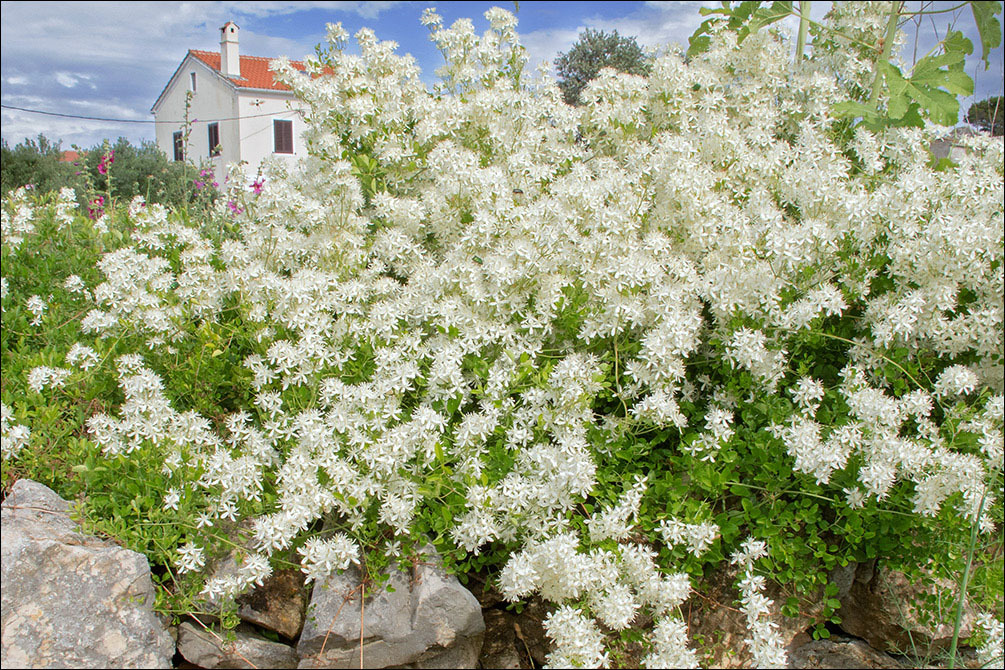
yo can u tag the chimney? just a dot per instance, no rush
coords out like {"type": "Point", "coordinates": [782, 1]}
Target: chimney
{"type": "Point", "coordinates": [230, 61]}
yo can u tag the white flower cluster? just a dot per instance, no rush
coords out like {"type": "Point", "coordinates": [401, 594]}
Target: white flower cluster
{"type": "Point", "coordinates": [481, 290]}
{"type": "Point", "coordinates": [74, 284]}
{"type": "Point", "coordinates": [578, 640]}
{"type": "Point", "coordinates": [13, 436]}
{"type": "Point", "coordinates": [65, 207]}
{"type": "Point", "coordinates": [991, 651]}
{"type": "Point", "coordinates": [323, 557]}
{"type": "Point", "coordinates": [190, 558]}
{"type": "Point", "coordinates": [42, 376]}
{"type": "Point", "coordinates": [765, 643]}
{"type": "Point", "coordinates": [697, 536]}
{"type": "Point", "coordinates": [616, 522]}
{"type": "Point", "coordinates": [16, 218]}
{"type": "Point", "coordinates": [81, 355]}
{"type": "Point", "coordinates": [37, 307]}
{"type": "Point", "coordinates": [615, 586]}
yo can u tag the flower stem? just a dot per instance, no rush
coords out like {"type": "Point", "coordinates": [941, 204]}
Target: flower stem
{"type": "Point", "coordinates": [963, 583]}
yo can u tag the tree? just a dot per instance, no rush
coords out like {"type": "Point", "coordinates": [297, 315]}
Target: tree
{"type": "Point", "coordinates": [132, 170]}
{"type": "Point", "coordinates": [988, 115]}
{"type": "Point", "coordinates": [591, 52]}
{"type": "Point", "coordinates": [138, 170]}
{"type": "Point", "coordinates": [35, 162]}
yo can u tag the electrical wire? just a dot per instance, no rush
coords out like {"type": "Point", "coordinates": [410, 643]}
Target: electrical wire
{"type": "Point", "coordinates": [102, 118]}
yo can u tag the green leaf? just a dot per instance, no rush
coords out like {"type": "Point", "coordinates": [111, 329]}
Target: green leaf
{"type": "Point", "coordinates": [852, 109]}
{"type": "Point", "coordinates": [768, 15]}
{"type": "Point", "coordinates": [957, 42]}
{"type": "Point", "coordinates": [987, 27]}
{"type": "Point", "coordinates": [697, 44]}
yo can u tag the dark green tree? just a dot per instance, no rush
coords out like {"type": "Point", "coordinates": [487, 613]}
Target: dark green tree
{"type": "Point", "coordinates": [138, 170]}
{"type": "Point", "coordinates": [135, 170]}
{"type": "Point", "coordinates": [988, 115]}
{"type": "Point", "coordinates": [591, 52]}
{"type": "Point", "coordinates": [35, 162]}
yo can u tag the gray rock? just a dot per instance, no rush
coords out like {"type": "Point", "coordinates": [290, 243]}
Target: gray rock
{"type": "Point", "coordinates": [70, 600]}
{"type": "Point", "coordinates": [839, 653]}
{"type": "Point", "coordinates": [882, 608]}
{"type": "Point", "coordinates": [209, 648]}
{"type": "Point", "coordinates": [428, 621]}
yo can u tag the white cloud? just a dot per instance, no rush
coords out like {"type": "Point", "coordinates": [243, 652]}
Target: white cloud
{"type": "Point", "coordinates": [66, 79]}
{"type": "Point", "coordinates": [367, 10]}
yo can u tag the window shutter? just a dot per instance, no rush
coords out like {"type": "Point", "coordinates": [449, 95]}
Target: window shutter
{"type": "Point", "coordinates": [179, 148]}
{"type": "Point", "coordinates": [214, 139]}
{"type": "Point", "coordinates": [283, 133]}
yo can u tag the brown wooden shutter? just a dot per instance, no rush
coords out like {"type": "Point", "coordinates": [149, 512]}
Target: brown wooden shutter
{"type": "Point", "coordinates": [283, 133]}
{"type": "Point", "coordinates": [214, 139]}
{"type": "Point", "coordinates": [179, 149]}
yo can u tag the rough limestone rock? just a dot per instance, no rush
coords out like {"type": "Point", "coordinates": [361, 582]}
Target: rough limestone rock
{"type": "Point", "coordinates": [211, 649]}
{"type": "Point", "coordinates": [881, 608]}
{"type": "Point", "coordinates": [71, 600]}
{"type": "Point", "coordinates": [839, 653]}
{"type": "Point", "coordinates": [428, 621]}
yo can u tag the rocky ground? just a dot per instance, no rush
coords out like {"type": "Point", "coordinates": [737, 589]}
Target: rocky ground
{"type": "Point", "coordinates": [71, 600]}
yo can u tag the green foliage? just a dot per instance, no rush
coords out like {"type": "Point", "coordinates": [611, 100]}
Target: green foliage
{"type": "Point", "coordinates": [988, 115]}
{"type": "Point", "coordinates": [745, 18]}
{"type": "Point", "coordinates": [930, 91]}
{"type": "Point", "coordinates": [137, 170]}
{"type": "Point", "coordinates": [118, 496]}
{"type": "Point", "coordinates": [749, 485]}
{"type": "Point", "coordinates": [985, 16]}
{"type": "Point", "coordinates": [593, 51]}
{"type": "Point", "coordinates": [34, 162]}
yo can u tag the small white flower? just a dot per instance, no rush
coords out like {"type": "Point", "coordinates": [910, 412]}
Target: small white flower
{"type": "Point", "coordinates": [37, 307]}
{"type": "Point", "coordinates": [172, 499]}
{"type": "Point", "coordinates": [190, 558]}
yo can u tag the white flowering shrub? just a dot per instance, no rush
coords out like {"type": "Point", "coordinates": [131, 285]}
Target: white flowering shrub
{"type": "Point", "coordinates": [594, 348]}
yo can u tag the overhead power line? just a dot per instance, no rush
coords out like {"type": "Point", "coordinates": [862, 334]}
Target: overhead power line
{"type": "Point", "coordinates": [103, 118]}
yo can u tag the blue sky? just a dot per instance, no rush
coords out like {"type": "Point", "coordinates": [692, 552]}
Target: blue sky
{"type": "Point", "coordinates": [112, 59]}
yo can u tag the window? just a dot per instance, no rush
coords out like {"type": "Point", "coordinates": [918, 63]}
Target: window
{"type": "Point", "coordinates": [214, 139]}
{"type": "Point", "coordinates": [282, 131]}
{"type": "Point", "coordinates": [179, 146]}
{"type": "Point", "coordinates": [192, 74]}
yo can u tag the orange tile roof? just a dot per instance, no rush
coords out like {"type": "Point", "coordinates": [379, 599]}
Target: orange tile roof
{"type": "Point", "coordinates": [255, 72]}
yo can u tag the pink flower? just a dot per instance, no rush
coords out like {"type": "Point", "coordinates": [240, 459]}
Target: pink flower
{"type": "Point", "coordinates": [96, 207]}
{"type": "Point", "coordinates": [106, 162]}
{"type": "Point", "coordinates": [233, 207]}
{"type": "Point", "coordinates": [256, 185]}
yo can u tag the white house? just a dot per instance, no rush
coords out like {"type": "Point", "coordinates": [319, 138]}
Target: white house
{"type": "Point", "coordinates": [237, 111]}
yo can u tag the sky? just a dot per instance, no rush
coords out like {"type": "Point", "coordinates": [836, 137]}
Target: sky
{"type": "Point", "coordinates": [111, 59]}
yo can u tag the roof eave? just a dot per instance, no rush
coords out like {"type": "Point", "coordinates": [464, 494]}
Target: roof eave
{"type": "Point", "coordinates": [174, 77]}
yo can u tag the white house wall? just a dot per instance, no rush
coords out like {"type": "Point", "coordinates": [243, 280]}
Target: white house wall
{"type": "Point", "coordinates": [248, 138]}
{"type": "Point", "coordinates": [258, 109]}
{"type": "Point", "coordinates": [213, 100]}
